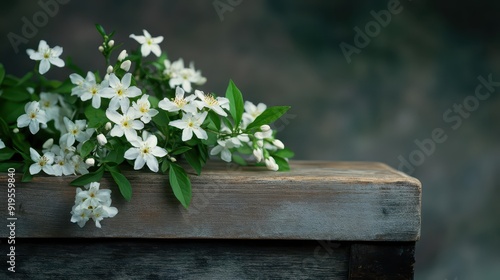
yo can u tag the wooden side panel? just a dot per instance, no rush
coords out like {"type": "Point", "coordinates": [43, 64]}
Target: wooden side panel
{"type": "Point", "coordinates": [176, 259]}
{"type": "Point", "coordinates": [382, 260]}
{"type": "Point", "coordinates": [314, 201]}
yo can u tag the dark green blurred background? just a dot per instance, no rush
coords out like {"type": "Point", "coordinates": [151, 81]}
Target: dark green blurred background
{"type": "Point", "coordinates": [394, 91]}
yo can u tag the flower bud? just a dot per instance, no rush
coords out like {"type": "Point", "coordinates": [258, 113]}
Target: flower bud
{"type": "Point", "coordinates": [111, 43]}
{"type": "Point", "coordinates": [126, 65]}
{"type": "Point", "coordinates": [15, 130]}
{"type": "Point", "coordinates": [101, 48]}
{"type": "Point", "coordinates": [265, 128]}
{"type": "Point", "coordinates": [260, 143]}
{"type": "Point", "coordinates": [278, 144]}
{"type": "Point", "coordinates": [101, 139]}
{"type": "Point", "coordinates": [172, 159]}
{"type": "Point", "coordinates": [271, 164]}
{"type": "Point", "coordinates": [90, 161]}
{"type": "Point", "coordinates": [122, 55]}
{"type": "Point", "coordinates": [107, 126]}
{"type": "Point", "coordinates": [106, 77]}
{"type": "Point", "coordinates": [48, 144]}
{"type": "Point", "coordinates": [110, 69]}
{"type": "Point", "coordinates": [258, 154]}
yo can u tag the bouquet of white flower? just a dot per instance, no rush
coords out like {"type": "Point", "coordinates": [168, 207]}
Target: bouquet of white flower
{"type": "Point", "coordinates": [141, 112]}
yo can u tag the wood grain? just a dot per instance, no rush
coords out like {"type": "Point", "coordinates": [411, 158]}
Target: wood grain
{"type": "Point", "coordinates": [176, 259]}
{"type": "Point", "coordinates": [344, 201]}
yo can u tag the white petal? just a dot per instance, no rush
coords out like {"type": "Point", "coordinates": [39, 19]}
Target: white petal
{"type": "Point", "coordinates": [127, 78]}
{"type": "Point", "coordinates": [132, 153]}
{"type": "Point", "coordinates": [35, 168]}
{"type": "Point", "coordinates": [34, 127]}
{"type": "Point", "coordinates": [57, 61]}
{"type": "Point", "coordinates": [158, 152]}
{"type": "Point", "coordinates": [139, 39]}
{"type": "Point", "coordinates": [187, 134]}
{"type": "Point", "coordinates": [133, 91]}
{"type": "Point", "coordinates": [44, 66]}
{"type": "Point", "coordinates": [139, 163]}
{"type": "Point", "coordinates": [23, 121]}
{"type": "Point", "coordinates": [35, 156]}
{"type": "Point", "coordinates": [113, 81]}
{"type": "Point", "coordinates": [156, 50]}
{"type": "Point", "coordinates": [200, 133]}
{"type": "Point", "coordinates": [152, 163]}
{"type": "Point", "coordinates": [145, 50]}
{"type": "Point", "coordinates": [226, 155]}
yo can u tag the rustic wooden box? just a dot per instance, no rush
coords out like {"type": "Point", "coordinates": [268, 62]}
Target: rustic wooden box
{"type": "Point", "coordinates": [321, 220]}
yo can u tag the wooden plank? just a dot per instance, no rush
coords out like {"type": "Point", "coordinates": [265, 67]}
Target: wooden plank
{"type": "Point", "coordinates": [343, 201]}
{"type": "Point", "coordinates": [382, 260]}
{"type": "Point", "coordinates": [176, 259]}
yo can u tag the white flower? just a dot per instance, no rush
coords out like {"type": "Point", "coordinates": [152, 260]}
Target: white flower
{"type": "Point", "coordinates": [81, 83]}
{"type": "Point", "coordinates": [172, 69]}
{"type": "Point", "coordinates": [41, 162]}
{"type": "Point", "coordinates": [48, 103]}
{"type": "Point", "coordinates": [149, 44]}
{"type": "Point", "coordinates": [94, 91]}
{"type": "Point", "coordinates": [252, 112]}
{"type": "Point", "coordinates": [62, 166]}
{"type": "Point", "coordinates": [179, 103]}
{"type": "Point", "coordinates": [259, 154]}
{"type": "Point", "coordinates": [278, 144]}
{"type": "Point", "coordinates": [183, 78]}
{"type": "Point", "coordinates": [101, 139]}
{"type": "Point", "coordinates": [47, 56]}
{"type": "Point", "coordinates": [143, 108]}
{"type": "Point", "coordinates": [94, 197]}
{"type": "Point", "coordinates": [125, 124]}
{"type": "Point", "coordinates": [191, 123]}
{"type": "Point", "coordinates": [102, 212]}
{"type": "Point", "coordinates": [2, 144]}
{"type": "Point", "coordinates": [123, 54]}
{"type": "Point", "coordinates": [126, 65]}
{"type": "Point", "coordinates": [79, 165]}
{"type": "Point", "coordinates": [76, 131]}
{"type": "Point", "coordinates": [223, 148]}
{"type": "Point", "coordinates": [120, 91]}
{"type": "Point", "coordinates": [33, 118]}
{"type": "Point", "coordinates": [271, 164]}
{"type": "Point", "coordinates": [92, 203]}
{"type": "Point", "coordinates": [90, 162]}
{"type": "Point", "coordinates": [210, 102]}
{"type": "Point", "coordinates": [145, 151]}
{"type": "Point", "coordinates": [80, 215]}
{"type": "Point", "coordinates": [265, 128]}
{"type": "Point", "coordinates": [108, 126]}
{"type": "Point", "coordinates": [264, 134]}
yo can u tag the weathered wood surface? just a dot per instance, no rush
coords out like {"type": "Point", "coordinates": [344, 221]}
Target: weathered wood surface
{"type": "Point", "coordinates": [177, 259]}
{"type": "Point", "coordinates": [343, 201]}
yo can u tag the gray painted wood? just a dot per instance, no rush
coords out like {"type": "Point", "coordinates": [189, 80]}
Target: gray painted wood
{"type": "Point", "coordinates": [177, 259]}
{"type": "Point", "coordinates": [344, 201]}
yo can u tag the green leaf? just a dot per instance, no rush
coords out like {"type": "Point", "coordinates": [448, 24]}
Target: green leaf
{"type": "Point", "coordinates": [96, 117]}
{"type": "Point", "coordinates": [180, 184]}
{"type": "Point", "coordinates": [89, 178]}
{"type": "Point", "coordinates": [239, 160]}
{"type": "Point", "coordinates": [116, 155]}
{"type": "Point", "coordinates": [100, 29]}
{"type": "Point", "coordinates": [87, 147]}
{"type": "Point", "coordinates": [2, 73]}
{"type": "Point", "coordinates": [24, 79]}
{"type": "Point", "coordinates": [284, 153]}
{"type": "Point", "coordinates": [165, 165]}
{"type": "Point", "coordinates": [270, 115]}
{"type": "Point", "coordinates": [193, 158]}
{"type": "Point", "coordinates": [4, 166]}
{"type": "Point", "coordinates": [161, 119]}
{"type": "Point", "coordinates": [282, 163]}
{"type": "Point", "coordinates": [214, 121]}
{"type": "Point", "coordinates": [6, 154]}
{"type": "Point", "coordinates": [27, 177]}
{"type": "Point", "coordinates": [180, 150]}
{"type": "Point", "coordinates": [123, 184]}
{"type": "Point", "coordinates": [65, 87]}
{"type": "Point", "coordinates": [11, 110]}
{"type": "Point", "coordinates": [15, 94]}
{"type": "Point", "coordinates": [235, 102]}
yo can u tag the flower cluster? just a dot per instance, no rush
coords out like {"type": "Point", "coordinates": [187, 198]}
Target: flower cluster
{"type": "Point", "coordinates": [92, 203]}
{"type": "Point", "coordinates": [141, 112]}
